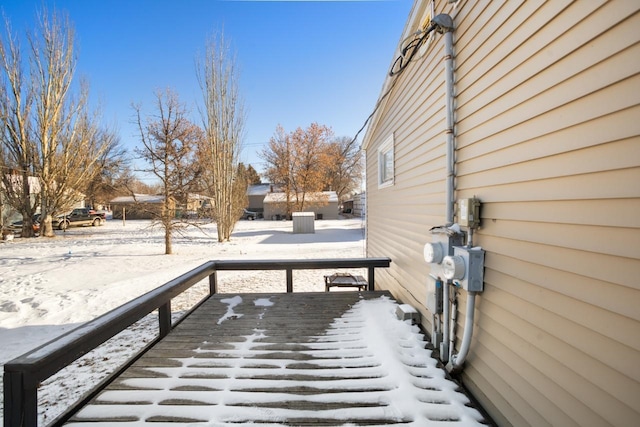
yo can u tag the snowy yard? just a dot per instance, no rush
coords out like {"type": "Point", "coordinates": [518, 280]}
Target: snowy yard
{"type": "Point", "coordinates": [49, 286]}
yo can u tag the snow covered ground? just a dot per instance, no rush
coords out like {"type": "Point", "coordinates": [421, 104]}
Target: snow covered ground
{"type": "Point", "coordinates": [49, 286]}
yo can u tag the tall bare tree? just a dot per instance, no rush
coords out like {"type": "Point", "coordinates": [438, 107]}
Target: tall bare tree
{"type": "Point", "coordinates": [223, 119]}
{"type": "Point", "coordinates": [52, 133]}
{"type": "Point", "coordinates": [169, 142]}
{"type": "Point", "coordinates": [17, 166]}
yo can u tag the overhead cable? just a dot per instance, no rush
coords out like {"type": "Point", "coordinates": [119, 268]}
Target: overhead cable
{"type": "Point", "coordinates": [407, 54]}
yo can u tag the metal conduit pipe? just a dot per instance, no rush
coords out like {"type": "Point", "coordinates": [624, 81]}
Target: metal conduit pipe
{"type": "Point", "coordinates": [450, 154]}
{"type": "Point", "coordinates": [452, 327]}
{"type": "Point", "coordinates": [444, 345]}
{"type": "Point", "coordinates": [457, 360]}
{"type": "Point", "coordinates": [444, 25]}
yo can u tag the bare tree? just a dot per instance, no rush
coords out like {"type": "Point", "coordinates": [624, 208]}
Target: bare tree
{"type": "Point", "coordinates": [240, 184]}
{"type": "Point", "coordinates": [51, 132]}
{"type": "Point", "coordinates": [277, 155]}
{"type": "Point", "coordinates": [298, 162]}
{"type": "Point", "coordinates": [169, 142]}
{"type": "Point", "coordinates": [112, 170]}
{"type": "Point", "coordinates": [344, 167]}
{"type": "Point", "coordinates": [309, 162]}
{"type": "Point", "coordinates": [17, 167]}
{"type": "Point", "coordinates": [223, 120]}
{"type": "Point", "coordinates": [65, 131]}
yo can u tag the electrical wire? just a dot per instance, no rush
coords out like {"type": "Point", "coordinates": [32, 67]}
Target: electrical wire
{"type": "Point", "coordinates": [417, 40]}
{"type": "Point", "coordinates": [412, 48]}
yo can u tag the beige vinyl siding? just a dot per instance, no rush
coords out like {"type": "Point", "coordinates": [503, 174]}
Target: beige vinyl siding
{"type": "Point", "coordinates": [548, 137]}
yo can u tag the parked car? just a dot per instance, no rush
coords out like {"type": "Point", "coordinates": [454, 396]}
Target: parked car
{"type": "Point", "coordinates": [249, 215]}
{"type": "Point", "coordinates": [16, 226]}
{"type": "Point", "coordinates": [78, 217]}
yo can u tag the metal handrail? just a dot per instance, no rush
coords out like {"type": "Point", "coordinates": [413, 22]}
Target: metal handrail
{"type": "Point", "coordinates": [23, 374]}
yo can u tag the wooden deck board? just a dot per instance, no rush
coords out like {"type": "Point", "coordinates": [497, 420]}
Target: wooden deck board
{"type": "Point", "coordinates": [300, 361]}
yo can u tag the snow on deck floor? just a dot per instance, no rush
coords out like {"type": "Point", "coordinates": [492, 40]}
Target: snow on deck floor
{"type": "Point", "coordinates": [286, 359]}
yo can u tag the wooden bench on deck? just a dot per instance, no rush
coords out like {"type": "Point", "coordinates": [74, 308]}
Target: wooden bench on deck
{"type": "Point", "coordinates": [345, 280]}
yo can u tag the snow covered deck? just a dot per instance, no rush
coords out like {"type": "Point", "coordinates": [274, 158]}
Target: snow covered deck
{"type": "Point", "coordinates": [338, 358]}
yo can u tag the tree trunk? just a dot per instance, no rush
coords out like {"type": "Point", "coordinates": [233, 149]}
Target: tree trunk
{"type": "Point", "coordinates": [167, 241]}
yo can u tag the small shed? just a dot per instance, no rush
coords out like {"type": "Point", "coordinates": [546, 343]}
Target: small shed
{"type": "Point", "coordinates": [303, 222]}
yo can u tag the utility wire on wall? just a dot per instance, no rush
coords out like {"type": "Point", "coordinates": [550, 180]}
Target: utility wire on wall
{"type": "Point", "coordinates": [407, 54]}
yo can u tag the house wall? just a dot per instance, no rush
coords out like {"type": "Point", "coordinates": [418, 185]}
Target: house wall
{"type": "Point", "coordinates": [359, 203]}
{"type": "Point", "coordinates": [136, 210]}
{"type": "Point", "coordinates": [548, 137]}
{"type": "Point", "coordinates": [256, 203]}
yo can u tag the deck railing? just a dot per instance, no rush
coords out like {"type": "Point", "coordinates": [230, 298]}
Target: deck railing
{"type": "Point", "coordinates": [23, 374]}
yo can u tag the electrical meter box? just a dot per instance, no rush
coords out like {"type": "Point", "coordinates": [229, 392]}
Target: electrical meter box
{"type": "Point", "coordinates": [465, 268]}
{"type": "Point", "coordinates": [441, 245]}
{"type": "Point", "coordinates": [469, 212]}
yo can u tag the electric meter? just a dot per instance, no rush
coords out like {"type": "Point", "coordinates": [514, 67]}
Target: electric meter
{"type": "Point", "coordinates": [433, 252]}
{"type": "Point", "coordinates": [466, 268]}
{"type": "Point", "coordinates": [453, 267]}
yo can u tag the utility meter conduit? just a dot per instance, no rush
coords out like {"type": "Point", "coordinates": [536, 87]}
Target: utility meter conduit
{"type": "Point", "coordinates": [457, 360]}
{"type": "Point", "coordinates": [444, 24]}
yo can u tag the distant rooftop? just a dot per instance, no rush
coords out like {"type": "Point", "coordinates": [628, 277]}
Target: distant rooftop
{"type": "Point", "coordinates": [329, 196]}
{"type": "Point", "coordinates": [139, 198]}
{"type": "Point", "coordinates": [261, 189]}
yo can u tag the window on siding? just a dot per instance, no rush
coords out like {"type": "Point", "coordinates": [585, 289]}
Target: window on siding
{"type": "Point", "coordinates": [386, 163]}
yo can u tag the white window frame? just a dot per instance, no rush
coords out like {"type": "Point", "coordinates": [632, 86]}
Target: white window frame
{"type": "Point", "coordinates": [386, 163]}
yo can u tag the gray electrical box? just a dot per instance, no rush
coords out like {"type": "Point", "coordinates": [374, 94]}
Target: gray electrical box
{"type": "Point", "coordinates": [466, 268]}
{"type": "Point", "coordinates": [469, 212]}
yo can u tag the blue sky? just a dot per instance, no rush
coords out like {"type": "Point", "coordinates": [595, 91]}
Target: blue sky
{"type": "Point", "coordinates": [300, 61]}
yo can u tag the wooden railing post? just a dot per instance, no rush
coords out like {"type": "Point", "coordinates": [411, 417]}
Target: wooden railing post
{"type": "Point", "coordinates": [20, 400]}
{"type": "Point", "coordinates": [372, 278]}
{"type": "Point", "coordinates": [289, 280]}
{"type": "Point", "coordinates": [164, 317]}
{"type": "Point", "coordinates": [213, 283]}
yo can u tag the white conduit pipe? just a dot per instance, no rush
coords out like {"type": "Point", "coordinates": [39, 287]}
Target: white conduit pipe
{"type": "Point", "coordinates": [457, 360]}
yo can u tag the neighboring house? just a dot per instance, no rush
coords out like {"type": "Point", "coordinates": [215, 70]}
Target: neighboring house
{"type": "Point", "coordinates": [355, 206]}
{"type": "Point", "coordinates": [546, 127]}
{"type": "Point", "coordinates": [198, 203]}
{"type": "Point", "coordinates": [359, 203]}
{"type": "Point", "coordinates": [323, 204]}
{"type": "Point", "coordinates": [347, 207]}
{"type": "Point", "coordinates": [256, 194]}
{"type": "Point", "coordinates": [8, 213]}
{"type": "Point", "coordinates": [140, 206]}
